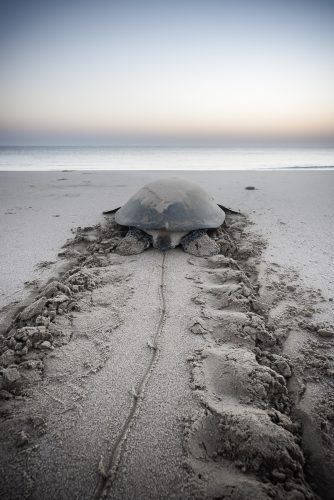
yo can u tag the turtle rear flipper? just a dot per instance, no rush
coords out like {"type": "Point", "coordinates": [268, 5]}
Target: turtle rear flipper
{"type": "Point", "coordinates": [135, 241]}
{"type": "Point", "coordinates": [200, 244]}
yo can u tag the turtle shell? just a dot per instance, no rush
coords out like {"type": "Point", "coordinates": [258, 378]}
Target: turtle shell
{"type": "Point", "coordinates": [173, 204]}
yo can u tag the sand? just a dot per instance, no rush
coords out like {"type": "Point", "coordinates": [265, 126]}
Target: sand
{"type": "Point", "coordinates": [167, 376]}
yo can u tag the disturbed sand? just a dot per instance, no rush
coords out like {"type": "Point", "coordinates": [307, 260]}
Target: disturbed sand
{"type": "Point", "coordinates": [167, 376]}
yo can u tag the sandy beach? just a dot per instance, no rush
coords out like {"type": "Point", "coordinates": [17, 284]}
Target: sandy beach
{"type": "Point", "coordinates": [166, 376]}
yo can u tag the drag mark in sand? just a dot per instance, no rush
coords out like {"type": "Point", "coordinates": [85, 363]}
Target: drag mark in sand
{"type": "Point", "coordinates": [108, 474]}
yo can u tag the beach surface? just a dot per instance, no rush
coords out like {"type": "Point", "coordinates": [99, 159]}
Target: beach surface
{"type": "Point", "coordinates": [166, 375]}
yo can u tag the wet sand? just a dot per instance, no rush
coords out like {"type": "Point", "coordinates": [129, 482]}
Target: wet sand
{"type": "Point", "coordinates": [167, 377]}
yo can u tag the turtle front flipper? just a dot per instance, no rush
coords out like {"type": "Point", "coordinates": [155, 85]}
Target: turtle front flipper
{"type": "Point", "coordinates": [135, 241]}
{"type": "Point", "coordinates": [227, 210]}
{"type": "Point", "coordinates": [200, 244]}
{"type": "Point", "coordinates": [113, 211]}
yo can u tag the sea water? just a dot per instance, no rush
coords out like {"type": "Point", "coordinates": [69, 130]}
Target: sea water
{"type": "Point", "coordinates": [164, 158]}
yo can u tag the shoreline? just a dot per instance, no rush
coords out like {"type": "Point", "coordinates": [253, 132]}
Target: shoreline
{"type": "Point", "coordinates": [176, 169]}
{"type": "Point", "coordinates": [161, 158]}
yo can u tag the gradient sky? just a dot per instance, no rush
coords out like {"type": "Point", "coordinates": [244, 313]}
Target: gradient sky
{"type": "Point", "coordinates": [262, 68]}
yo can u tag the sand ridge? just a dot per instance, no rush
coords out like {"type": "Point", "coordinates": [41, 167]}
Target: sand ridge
{"type": "Point", "coordinates": [251, 431]}
{"type": "Point", "coordinates": [78, 355]}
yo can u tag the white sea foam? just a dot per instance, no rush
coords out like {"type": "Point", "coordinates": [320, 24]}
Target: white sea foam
{"type": "Point", "coordinates": [163, 158]}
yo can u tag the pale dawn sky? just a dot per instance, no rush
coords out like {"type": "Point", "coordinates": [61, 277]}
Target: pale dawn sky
{"type": "Point", "coordinates": [200, 68]}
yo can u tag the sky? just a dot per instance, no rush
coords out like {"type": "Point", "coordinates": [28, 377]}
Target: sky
{"type": "Point", "coordinates": [200, 69]}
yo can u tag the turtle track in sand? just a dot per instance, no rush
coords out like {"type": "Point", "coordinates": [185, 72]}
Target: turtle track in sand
{"type": "Point", "coordinates": [261, 376]}
{"type": "Point", "coordinates": [259, 435]}
{"type": "Point", "coordinates": [109, 473]}
{"type": "Point", "coordinates": [76, 356]}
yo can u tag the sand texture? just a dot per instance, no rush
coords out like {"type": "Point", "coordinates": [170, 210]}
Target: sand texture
{"type": "Point", "coordinates": [165, 375]}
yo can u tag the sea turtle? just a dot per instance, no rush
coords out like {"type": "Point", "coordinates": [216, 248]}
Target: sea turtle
{"type": "Point", "coordinates": [167, 213]}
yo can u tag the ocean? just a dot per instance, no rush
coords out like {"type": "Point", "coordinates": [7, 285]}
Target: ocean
{"type": "Point", "coordinates": [164, 158]}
